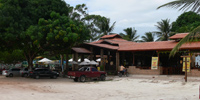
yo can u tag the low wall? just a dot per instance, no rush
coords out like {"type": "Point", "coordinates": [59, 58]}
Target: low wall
{"type": "Point", "coordinates": [138, 71]}
{"type": "Point", "coordinates": [194, 72]}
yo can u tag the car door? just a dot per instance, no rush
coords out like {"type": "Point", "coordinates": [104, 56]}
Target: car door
{"type": "Point", "coordinates": [47, 72]}
{"type": "Point", "coordinates": [16, 71]}
{"type": "Point", "coordinates": [88, 72]}
{"type": "Point", "coordinates": [94, 72]}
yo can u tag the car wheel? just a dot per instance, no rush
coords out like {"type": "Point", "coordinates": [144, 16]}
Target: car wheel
{"type": "Point", "coordinates": [54, 76]}
{"type": "Point", "coordinates": [37, 77]}
{"type": "Point", "coordinates": [25, 75]}
{"type": "Point", "coordinates": [82, 78]}
{"type": "Point", "coordinates": [127, 74]}
{"type": "Point", "coordinates": [76, 79]}
{"type": "Point", "coordinates": [10, 75]}
{"type": "Point", "coordinates": [120, 74]}
{"type": "Point", "coordinates": [103, 77]}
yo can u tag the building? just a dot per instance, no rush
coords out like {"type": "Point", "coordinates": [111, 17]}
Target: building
{"type": "Point", "coordinates": [115, 51]}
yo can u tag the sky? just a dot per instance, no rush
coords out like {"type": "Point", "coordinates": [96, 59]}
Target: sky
{"type": "Point", "coordinates": [139, 14]}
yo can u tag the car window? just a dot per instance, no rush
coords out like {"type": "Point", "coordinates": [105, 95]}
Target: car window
{"type": "Point", "coordinates": [46, 69]}
{"type": "Point", "coordinates": [94, 69]}
{"type": "Point", "coordinates": [88, 69]}
{"type": "Point", "coordinates": [15, 69]}
{"type": "Point", "coordinates": [26, 69]}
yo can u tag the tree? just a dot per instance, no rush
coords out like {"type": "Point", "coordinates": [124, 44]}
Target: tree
{"type": "Point", "coordinates": [191, 5]}
{"type": "Point", "coordinates": [19, 27]}
{"type": "Point", "coordinates": [186, 22]}
{"type": "Point", "coordinates": [98, 25]}
{"type": "Point", "coordinates": [163, 32]}
{"type": "Point", "coordinates": [130, 34]}
{"type": "Point", "coordinates": [148, 37]}
{"type": "Point", "coordinates": [15, 56]}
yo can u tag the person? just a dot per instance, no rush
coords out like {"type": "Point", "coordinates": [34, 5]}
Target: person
{"type": "Point", "coordinates": [122, 68]}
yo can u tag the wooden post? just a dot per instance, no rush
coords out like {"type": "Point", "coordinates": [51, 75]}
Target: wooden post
{"type": "Point", "coordinates": [133, 58]}
{"type": "Point", "coordinates": [61, 61]}
{"type": "Point", "coordinates": [102, 60]}
{"type": "Point", "coordinates": [67, 57]}
{"type": "Point", "coordinates": [185, 69]}
{"type": "Point", "coordinates": [117, 60]}
{"type": "Point", "coordinates": [91, 55]}
{"type": "Point", "coordinates": [82, 57]}
{"type": "Point", "coordinates": [185, 57]}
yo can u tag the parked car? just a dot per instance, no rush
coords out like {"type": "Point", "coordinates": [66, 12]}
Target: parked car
{"type": "Point", "coordinates": [24, 72]}
{"type": "Point", "coordinates": [85, 73]}
{"type": "Point", "coordinates": [43, 72]}
{"type": "Point", "coordinates": [11, 72]}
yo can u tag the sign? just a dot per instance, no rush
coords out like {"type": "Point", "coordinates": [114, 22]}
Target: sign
{"type": "Point", "coordinates": [154, 63]}
{"type": "Point", "coordinates": [188, 64]}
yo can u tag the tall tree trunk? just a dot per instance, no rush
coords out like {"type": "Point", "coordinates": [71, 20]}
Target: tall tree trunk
{"type": "Point", "coordinates": [29, 58]}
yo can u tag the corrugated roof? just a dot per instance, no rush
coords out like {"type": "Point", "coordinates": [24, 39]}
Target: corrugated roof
{"type": "Point", "coordinates": [179, 36]}
{"type": "Point", "coordinates": [81, 50]}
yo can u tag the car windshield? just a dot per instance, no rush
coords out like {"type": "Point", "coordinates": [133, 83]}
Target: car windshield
{"type": "Point", "coordinates": [82, 68]}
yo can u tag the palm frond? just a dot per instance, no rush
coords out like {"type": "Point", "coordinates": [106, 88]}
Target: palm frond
{"type": "Point", "coordinates": [192, 5]}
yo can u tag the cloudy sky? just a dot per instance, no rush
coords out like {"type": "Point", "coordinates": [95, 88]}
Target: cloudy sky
{"type": "Point", "coordinates": [141, 14]}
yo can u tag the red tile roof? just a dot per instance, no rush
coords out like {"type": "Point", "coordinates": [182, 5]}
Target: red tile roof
{"type": "Point", "coordinates": [110, 36]}
{"type": "Point", "coordinates": [80, 50]}
{"type": "Point", "coordinates": [124, 45]}
{"type": "Point", "coordinates": [179, 36]}
{"type": "Point", "coordinates": [105, 46]}
{"type": "Point", "coordinates": [161, 45]}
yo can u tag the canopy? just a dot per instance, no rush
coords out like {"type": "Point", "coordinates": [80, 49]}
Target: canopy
{"type": "Point", "coordinates": [86, 60]}
{"type": "Point", "coordinates": [70, 60]}
{"type": "Point", "coordinates": [98, 60]}
{"type": "Point", "coordinates": [73, 62]}
{"type": "Point", "coordinates": [93, 62]}
{"type": "Point", "coordinates": [84, 63]}
{"type": "Point", "coordinates": [45, 60]}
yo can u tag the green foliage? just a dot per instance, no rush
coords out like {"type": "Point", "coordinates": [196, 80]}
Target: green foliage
{"type": "Point", "coordinates": [148, 37]}
{"type": "Point", "coordinates": [130, 34]}
{"type": "Point", "coordinates": [164, 28]}
{"type": "Point", "coordinates": [11, 57]}
{"type": "Point", "coordinates": [186, 22]}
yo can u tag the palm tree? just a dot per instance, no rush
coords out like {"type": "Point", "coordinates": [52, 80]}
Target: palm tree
{"type": "Point", "coordinates": [192, 5]}
{"type": "Point", "coordinates": [104, 26]}
{"type": "Point", "coordinates": [164, 30]}
{"type": "Point", "coordinates": [148, 37]}
{"type": "Point", "coordinates": [130, 34]}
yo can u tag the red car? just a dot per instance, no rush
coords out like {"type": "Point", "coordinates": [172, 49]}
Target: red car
{"type": "Point", "coordinates": [87, 73]}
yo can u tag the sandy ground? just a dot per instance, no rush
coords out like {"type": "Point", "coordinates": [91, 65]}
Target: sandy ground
{"type": "Point", "coordinates": [135, 87]}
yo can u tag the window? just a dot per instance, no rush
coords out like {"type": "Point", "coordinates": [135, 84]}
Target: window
{"type": "Point", "coordinates": [88, 69]}
{"type": "Point", "coordinates": [94, 69]}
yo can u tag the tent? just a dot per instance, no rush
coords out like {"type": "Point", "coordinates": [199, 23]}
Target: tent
{"type": "Point", "coordinates": [45, 60]}
{"type": "Point", "coordinates": [86, 60]}
{"type": "Point", "coordinates": [98, 60]}
{"type": "Point", "coordinates": [93, 63]}
{"type": "Point", "coordinates": [84, 63]}
{"type": "Point", "coordinates": [70, 60]}
{"type": "Point", "coordinates": [73, 62]}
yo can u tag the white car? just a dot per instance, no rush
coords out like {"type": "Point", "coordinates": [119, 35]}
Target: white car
{"type": "Point", "coordinates": [11, 72]}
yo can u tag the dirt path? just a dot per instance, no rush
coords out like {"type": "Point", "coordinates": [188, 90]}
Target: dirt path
{"type": "Point", "coordinates": [136, 87]}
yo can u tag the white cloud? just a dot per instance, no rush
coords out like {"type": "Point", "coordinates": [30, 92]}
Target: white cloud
{"type": "Point", "coordinates": [141, 14]}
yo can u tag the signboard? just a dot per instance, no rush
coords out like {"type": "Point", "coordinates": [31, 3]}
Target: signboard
{"type": "Point", "coordinates": [154, 63]}
{"type": "Point", "coordinates": [188, 64]}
